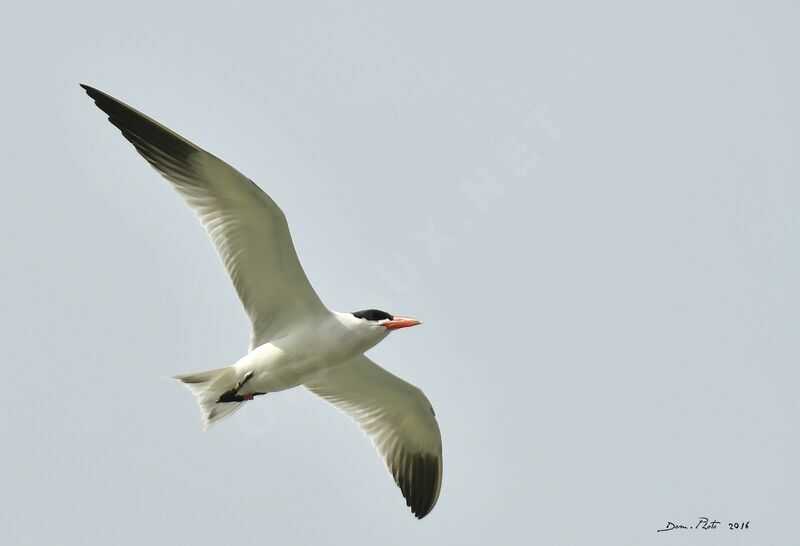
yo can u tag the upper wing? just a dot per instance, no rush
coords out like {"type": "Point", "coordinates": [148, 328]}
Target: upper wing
{"type": "Point", "coordinates": [399, 420]}
{"type": "Point", "coordinates": [248, 229]}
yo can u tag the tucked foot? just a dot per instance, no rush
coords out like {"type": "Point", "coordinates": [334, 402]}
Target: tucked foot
{"type": "Point", "coordinates": [233, 395]}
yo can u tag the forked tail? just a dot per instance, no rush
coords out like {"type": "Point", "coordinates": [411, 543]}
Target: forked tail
{"type": "Point", "coordinates": [207, 387]}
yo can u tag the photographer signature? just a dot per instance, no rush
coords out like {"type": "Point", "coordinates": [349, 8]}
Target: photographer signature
{"type": "Point", "coordinates": [706, 524]}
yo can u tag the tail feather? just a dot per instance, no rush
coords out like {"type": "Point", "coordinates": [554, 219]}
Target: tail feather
{"type": "Point", "coordinates": [207, 387]}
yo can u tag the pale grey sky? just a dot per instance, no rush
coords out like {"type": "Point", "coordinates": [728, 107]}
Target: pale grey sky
{"type": "Point", "coordinates": [592, 207]}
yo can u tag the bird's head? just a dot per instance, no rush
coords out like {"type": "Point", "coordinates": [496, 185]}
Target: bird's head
{"type": "Point", "coordinates": [382, 321]}
{"type": "Point", "coordinates": [365, 329]}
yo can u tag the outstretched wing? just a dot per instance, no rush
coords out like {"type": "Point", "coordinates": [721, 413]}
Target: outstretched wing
{"type": "Point", "coordinates": [248, 229]}
{"type": "Point", "coordinates": [399, 420]}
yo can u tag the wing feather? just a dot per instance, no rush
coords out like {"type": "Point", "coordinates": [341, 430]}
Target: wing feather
{"type": "Point", "coordinates": [247, 227]}
{"type": "Point", "coordinates": [399, 420]}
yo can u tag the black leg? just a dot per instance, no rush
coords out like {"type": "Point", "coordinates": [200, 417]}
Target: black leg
{"type": "Point", "coordinates": [233, 395]}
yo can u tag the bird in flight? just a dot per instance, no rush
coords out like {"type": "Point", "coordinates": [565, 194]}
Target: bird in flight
{"type": "Point", "coordinates": [295, 339]}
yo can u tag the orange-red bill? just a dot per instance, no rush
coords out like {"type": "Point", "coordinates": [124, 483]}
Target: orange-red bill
{"type": "Point", "coordinates": [401, 322]}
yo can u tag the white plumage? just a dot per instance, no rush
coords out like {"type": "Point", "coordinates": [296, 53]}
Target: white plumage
{"type": "Point", "coordinates": [295, 339]}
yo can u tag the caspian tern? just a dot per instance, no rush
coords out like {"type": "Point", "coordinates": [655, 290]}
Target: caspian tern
{"type": "Point", "coordinates": [295, 340]}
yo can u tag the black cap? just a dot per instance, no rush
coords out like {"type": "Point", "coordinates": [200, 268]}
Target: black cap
{"type": "Point", "coordinates": [373, 314]}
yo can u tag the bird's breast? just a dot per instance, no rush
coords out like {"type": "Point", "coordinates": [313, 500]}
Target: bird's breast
{"type": "Point", "coordinates": [291, 361]}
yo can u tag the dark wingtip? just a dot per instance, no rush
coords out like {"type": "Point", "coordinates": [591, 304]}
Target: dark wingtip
{"type": "Point", "coordinates": [151, 139]}
{"type": "Point", "coordinates": [96, 94]}
{"type": "Point", "coordinates": [421, 490]}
